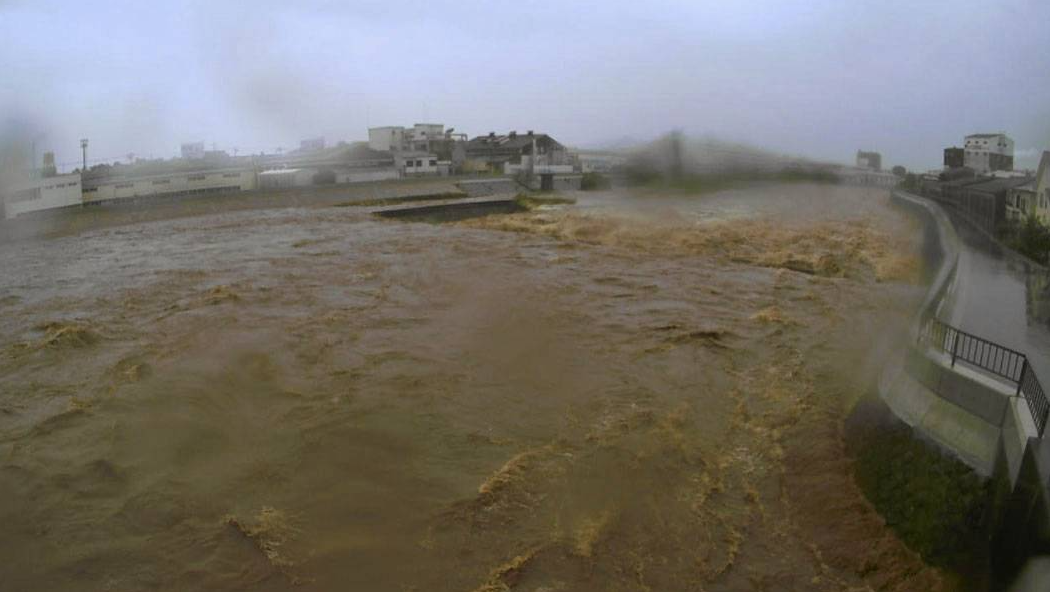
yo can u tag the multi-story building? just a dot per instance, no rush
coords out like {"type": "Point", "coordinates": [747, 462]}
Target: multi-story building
{"type": "Point", "coordinates": [193, 150]}
{"type": "Point", "coordinates": [514, 152]}
{"type": "Point", "coordinates": [869, 160]}
{"type": "Point", "coordinates": [985, 153]}
{"type": "Point", "coordinates": [1040, 195]}
{"type": "Point", "coordinates": [954, 158]}
{"type": "Point", "coordinates": [423, 149]}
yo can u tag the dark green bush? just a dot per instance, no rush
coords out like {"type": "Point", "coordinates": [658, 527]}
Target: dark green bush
{"type": "Point", "coordinates": [593, 181]}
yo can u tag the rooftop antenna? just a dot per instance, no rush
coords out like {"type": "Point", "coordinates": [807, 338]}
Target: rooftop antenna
{"type": "Point", "coordinates": [83, 150]}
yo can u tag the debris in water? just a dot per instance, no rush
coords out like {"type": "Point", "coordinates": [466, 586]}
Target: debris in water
{"type": "Point", "coordinates": [590, 532]}
{"type": "Point", "coordinates": [513, 470]}
{"type": "Point", "coordinates": [504, 577]}
{"type": "Point", "coordinates": [59, 334]}
{"type": "Point", "coordinates": [771, 314]}
{"type": "Point", "coordinates": [220, 294]}
{"type": "Point", "coordinates": [270, 531]}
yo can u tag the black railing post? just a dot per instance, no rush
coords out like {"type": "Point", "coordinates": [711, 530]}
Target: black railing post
{"type": "Point", "coordinates": [1020, 381]}
{"type": "Point", "coordinates": [955, 347]}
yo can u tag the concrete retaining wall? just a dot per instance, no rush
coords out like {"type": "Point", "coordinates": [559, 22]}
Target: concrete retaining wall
{"type": "Point", "coordinates": [452, 211]}
{"type": "Point", "coordinates": [972, 418]}
{"type": "Point", "coordinates": [560, 183]}
{"type": "Point", "coordinates": [493, 186]}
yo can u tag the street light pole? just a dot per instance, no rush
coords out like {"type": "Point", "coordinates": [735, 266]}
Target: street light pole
{"type": "Point", "coordinates": [83, 150]}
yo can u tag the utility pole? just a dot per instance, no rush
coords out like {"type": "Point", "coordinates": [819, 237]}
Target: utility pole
{"type": "Point", "coordinates": [83, 150]}
{"type": "Point", "coordinates": [532, 162]}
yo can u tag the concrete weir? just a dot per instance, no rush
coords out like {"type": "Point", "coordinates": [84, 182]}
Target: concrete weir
{"type": "Point", "coordinates": [452, 211]}
{"type": "Point", "coordinates": [968, 414]}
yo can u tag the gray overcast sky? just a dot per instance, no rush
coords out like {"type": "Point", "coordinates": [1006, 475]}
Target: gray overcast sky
{"type": "Point", "coordinates": [819, 78]}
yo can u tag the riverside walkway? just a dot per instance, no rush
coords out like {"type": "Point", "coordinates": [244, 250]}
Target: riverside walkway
{"type": "Point", "coordinates": [1006, 299]}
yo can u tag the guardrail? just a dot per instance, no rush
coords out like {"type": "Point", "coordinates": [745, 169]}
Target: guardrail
{"type": "Point", "coordinates": [990, 357]}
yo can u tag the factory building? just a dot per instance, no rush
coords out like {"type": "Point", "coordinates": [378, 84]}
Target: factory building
{"type": "Point", "coordinates": [985, 153]}
{"type": "Point", "coordinates": [869, 160]}
{"type": "Point", "coordinates": [34, 194]}
{"type": "Point", "coordinates": [112, 187]}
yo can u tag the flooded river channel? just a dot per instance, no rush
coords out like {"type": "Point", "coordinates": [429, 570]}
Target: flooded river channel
{"type": "Point", "coordinates": [637, 392]}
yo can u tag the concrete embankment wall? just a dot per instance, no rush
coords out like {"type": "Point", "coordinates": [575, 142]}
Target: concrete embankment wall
{"type": "Point", "coordinates": [493, 186]}
{"type": "Point", "coordinates": [961, 416]}
{"type": "Point", "coordinates": [450, 212]}
{"type": "Point", "coordinates": [969, 416]}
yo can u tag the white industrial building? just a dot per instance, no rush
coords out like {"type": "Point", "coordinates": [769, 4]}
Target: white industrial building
{"type": "Point", "coordinates": [40, 193]}
{"type": "Point", "coordinates": [169, 184]}
{"type": "Point", "coordinates": [596, 161]}
{"type": "Point", "coordinates": [421, 137]}
{"type": "Point", "coordinates": [419, 164]}
{"type": "Point", "coordinates": [421, 150]}
{"type": "Point", "coordinates": [285, 178]}
{"type": "Point", "coordinates": [985, 153]}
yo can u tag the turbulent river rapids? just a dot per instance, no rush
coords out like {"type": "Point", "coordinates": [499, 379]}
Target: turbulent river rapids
{"type": "Point", "coordinates": [635, 392]}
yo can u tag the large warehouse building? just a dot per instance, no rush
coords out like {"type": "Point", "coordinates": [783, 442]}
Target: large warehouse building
{"type": "Point", "coordinates": [41, 193]}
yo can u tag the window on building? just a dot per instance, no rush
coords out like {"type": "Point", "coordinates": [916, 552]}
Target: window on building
{"type": "Point", "coordinates": [433, 162]}
{"type": "Point", "coordinates": [123, 185]}
{"type": "Point", "coordinates": [231, 175]}
{"type": "Point", "coordinates": [195, 178]}
{"type": "Point", "coordinates": [408, 163]}
{"type": "Point", "coordinates": [161, 182]}
{"type": "Point", "coordinates": [419, 163]}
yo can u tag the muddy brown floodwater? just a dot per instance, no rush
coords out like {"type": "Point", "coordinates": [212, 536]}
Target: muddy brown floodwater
{"type": "Point", "coordinates": [633, 393]}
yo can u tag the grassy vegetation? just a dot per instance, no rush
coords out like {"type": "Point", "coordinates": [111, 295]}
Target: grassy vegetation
{"type": "Point", "coordinates": [934, 503]}
{"type": "Point", "coordinates": [392, 201]}
{"type": "Point", "coordinates": [532, 202]}
{"type": "Point", "coordinates": [1031, 238]}
{"type": "Point", "coordinates": [594, 181]}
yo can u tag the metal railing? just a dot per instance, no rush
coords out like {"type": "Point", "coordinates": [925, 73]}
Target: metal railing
{"type": "Point", "coordinates": [990, 357]}
{"type": "Point", "coordinates": [974, 350]}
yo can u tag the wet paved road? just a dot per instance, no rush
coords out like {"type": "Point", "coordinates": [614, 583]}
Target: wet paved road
{"type": "Point", "coordinates": [1003, 298]}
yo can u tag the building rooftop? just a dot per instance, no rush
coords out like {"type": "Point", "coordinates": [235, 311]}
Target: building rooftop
{"type": "Point", "coordinates": [507, 141]}
{"type": "Point", "coordinates": [997, 185]}
{"type": "Point", "coordinates": [986, 135]}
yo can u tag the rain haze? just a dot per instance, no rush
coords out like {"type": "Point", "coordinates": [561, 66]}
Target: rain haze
{"type": "Point", "coordinates": [525, 296]}
{"type": "Point", "coordinates": [816, 78]}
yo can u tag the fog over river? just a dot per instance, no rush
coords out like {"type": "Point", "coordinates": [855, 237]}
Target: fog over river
{"type": "Point", "coordinates": [637, 392]}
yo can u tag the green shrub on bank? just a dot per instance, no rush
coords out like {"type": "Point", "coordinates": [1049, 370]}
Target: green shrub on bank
{"type": "Point", "coordinates": [594, 181]}
{"type": "Point", "coordinates": [1031, 238]}
{"type": "Point", "coordinates": [934, 503]}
